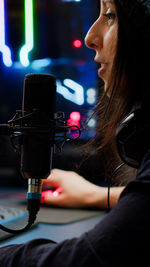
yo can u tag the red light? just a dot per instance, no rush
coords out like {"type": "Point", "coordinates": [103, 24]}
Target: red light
{"type": "Point", "coordinates": [77, 43]}
{"type": "Point", "coordinates": [74, 119]}
{"type": "Point", "coordinates": [50, 193]}
{"type": "Point", "coordinates": [75, 116]}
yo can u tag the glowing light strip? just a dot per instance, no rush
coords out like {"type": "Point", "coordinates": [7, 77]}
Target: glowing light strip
{"type": "Point", "coordinates": [75, 95]}
{"type": "Point", "coordinates": [29, 42]}
{"type": "Point", "coordinates": [6, 52]}
{"type": "Point", "coordinates": [41, 63]}
{"type": "Point", "coordinates": [78, 95]}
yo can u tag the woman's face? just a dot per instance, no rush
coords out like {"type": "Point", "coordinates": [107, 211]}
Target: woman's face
{"type": "Point", "coordinates": [103, 37]}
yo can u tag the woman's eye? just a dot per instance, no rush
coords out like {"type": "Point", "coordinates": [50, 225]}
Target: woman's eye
{"type": "Point", "coordinates": [109, 15]}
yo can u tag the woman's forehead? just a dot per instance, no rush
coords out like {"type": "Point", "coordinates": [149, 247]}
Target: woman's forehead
{"type": "Point", "coordinates": [108, 1]}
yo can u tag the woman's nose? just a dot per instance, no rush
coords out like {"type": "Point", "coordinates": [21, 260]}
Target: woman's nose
{"type": "Point", "coordinates": [93, 38]}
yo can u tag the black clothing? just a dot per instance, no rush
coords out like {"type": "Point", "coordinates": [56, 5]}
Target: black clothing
{"type": "Point", "coordinates": [120, 239]}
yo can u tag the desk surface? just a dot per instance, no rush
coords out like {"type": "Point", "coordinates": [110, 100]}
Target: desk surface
{"type": "Point", "coordinates": [53, 223]}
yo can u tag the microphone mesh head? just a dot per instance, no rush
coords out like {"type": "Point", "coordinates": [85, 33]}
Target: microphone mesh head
{"type": "Point", "coordinates": [39, 93]}
{"type": "Point", "coordinates": [39, 96]}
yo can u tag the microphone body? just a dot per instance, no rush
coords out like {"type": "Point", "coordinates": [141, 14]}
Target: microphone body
{"type": "Point", "coordinates": [39, 100]}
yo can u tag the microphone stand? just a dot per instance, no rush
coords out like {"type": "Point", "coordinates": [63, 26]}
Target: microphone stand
{"type": "Point", "coordinates": [15, 129]}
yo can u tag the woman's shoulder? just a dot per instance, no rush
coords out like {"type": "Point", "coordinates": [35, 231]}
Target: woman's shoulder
{"type": "Point", "coordinates": [140, 186]}
{"type": "Point", "coordinates": [144, 170]}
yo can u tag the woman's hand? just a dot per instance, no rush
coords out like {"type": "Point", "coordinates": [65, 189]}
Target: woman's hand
{"type": "Point", "coordinates": [76, 191]}
{"type": "Point", "coordinates": [73, 191]}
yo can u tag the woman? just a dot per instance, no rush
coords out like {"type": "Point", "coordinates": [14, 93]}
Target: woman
{"type": "Point", "coordinates": [121, 39]}
{"type": "Point", "coordinates": [129, 67]}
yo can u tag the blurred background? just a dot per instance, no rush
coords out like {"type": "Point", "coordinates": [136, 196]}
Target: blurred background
{"type": "Point", "coordinates": [47, 36]}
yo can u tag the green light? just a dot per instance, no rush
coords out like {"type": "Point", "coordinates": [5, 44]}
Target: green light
{"type": "Point", "coordinates": [29, 33]}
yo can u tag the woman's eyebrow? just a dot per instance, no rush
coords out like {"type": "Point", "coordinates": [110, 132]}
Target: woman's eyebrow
{"type": "Point", "coordinates": [108, 1]}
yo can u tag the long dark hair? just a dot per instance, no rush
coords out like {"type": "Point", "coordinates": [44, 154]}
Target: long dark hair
{"type": "Point", "coordinates": [130, 72]}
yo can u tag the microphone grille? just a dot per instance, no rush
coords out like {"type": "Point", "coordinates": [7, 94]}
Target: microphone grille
{"type": "Point", "coordinates": [39, 93]}
{"type": "Point", "coordinates": [39, 77]}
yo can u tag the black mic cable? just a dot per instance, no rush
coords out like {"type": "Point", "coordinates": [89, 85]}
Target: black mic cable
{"type": "Point", "coordinates": [33, 205]}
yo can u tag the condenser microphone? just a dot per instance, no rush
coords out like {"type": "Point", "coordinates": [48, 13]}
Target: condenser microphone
{"type": "Point", "coordinates": [38, 108]}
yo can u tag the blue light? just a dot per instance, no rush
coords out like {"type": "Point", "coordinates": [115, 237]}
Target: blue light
{"type": "Point", "coordinates": [17, 65]}
{"type": "Point", "coordinates": [78, 95]}
{"type": "Point", "coordinates": [92, 123]}
{"type": "Point", "coordinates": [91, 96]}
{"type": "Point", "coordinates": [41, 63]}
{"type": "Point", "coordinates": [75, 95]}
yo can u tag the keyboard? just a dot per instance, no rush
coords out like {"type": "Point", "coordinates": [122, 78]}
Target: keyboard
{"type": "Point", "coordinates": [13, 218]}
